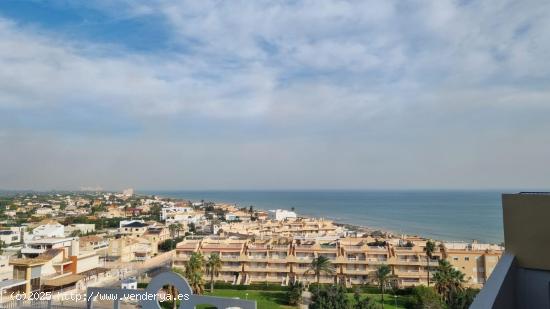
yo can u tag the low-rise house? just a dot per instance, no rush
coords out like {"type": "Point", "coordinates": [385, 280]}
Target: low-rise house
{"type": "Point", "coordinates": [281, 214]}
{"type": "Point", "coordinates": [49, 230]}
{"type": "Point", "coordinates": [82, 228]}
{"type": "Point", "coordinates": [57, 267]}
{"type": "Point", "coordinates": [135, 228]}
{"type": "Point", "coordinates": [11, 236]}
{"type": "Point", "coordinates": [127, 249]}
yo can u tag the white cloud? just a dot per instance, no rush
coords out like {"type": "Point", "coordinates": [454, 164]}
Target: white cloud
{"type": "Point", "coordinates": [329, 87]}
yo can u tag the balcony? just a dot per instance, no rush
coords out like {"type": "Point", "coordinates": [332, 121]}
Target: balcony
{"type": "Point", "coordinates": [257, 257]}
{"type": "Point", "coordinates": [230, 257]}
{"type": "Point", "coordinates": [304, 258]}
{"type": "Point", "coordinates": [377, 261]}
{"type": "Point", "coordinates": [231, 268]}
{"type": "Point", "coordinates": [359, 271]}
{"type": "Point", "coordinates": [377, 248]}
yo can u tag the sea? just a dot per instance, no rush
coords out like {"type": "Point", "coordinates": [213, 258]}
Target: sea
{"type": "Point", "coordinates": [436, 214]}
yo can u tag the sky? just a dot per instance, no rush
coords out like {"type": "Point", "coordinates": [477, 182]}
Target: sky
{"type": "Point", "coordinates": [186, 95]}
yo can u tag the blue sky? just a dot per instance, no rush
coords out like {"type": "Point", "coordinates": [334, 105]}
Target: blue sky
{"type": "Point", "coordinates": [270, 95]}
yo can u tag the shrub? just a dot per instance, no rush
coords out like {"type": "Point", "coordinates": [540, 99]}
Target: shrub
{"type": "Point", "coordinates": [424, 297]}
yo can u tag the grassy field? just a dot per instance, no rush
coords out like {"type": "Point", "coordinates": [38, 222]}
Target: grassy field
{"type": "Point", "coordinates": [389, 300]}
{"type": "Point", "coordinates": [277, 300]}
{"type": "Point", "coordinates": [264, 299]}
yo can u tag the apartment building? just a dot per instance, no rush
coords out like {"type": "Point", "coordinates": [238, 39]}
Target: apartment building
{"type": "Point", "coordinates": [231, 252]}
{"type": "Point", "coordinates": [283, 260]}
{"type": "Point", "coordinates": [300, 227]}
{"type": "Point", "coordinates": [58, 267]}
{"type": "Point", "coordinates": [466, 258]}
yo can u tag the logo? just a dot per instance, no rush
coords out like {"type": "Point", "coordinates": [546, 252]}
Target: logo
{"type": "Point", "coordinates": [149, 299]}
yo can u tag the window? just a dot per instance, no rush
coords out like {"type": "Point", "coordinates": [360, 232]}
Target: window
{"type": "Point", "coordinates": [455, 258]}
{"type": "Point", "coordinates": [466, 259]}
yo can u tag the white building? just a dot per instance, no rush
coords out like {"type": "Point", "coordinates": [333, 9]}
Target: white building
{"type": "Point", "coordinates": [174, 213]}
{"type": "Point", "coordinates": [11, 236]}
{"type": "Point", "coordinates": [6, 270]}
{"type": "Point", "coordinates": [128, 192]}
{"type": "Point", "coordinates": [37, 246]}
{"type": "Point", "coordinates": [231, 217]}
{"type": "Point", "coordinates": [49, 230]}
{"type": "Point", "coordinates": [281, 214]}
{"type": "Point", "coordinates": [84, 228]}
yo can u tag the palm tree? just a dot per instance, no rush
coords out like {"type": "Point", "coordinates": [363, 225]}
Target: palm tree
{"type": "Point", "coordinates": [172, 228]}
{"type": "Point", "coordinates": [320, 265]}
{"type": "Point", "coordinates": [429, 249]}
{"type": "Point", "coordinates": [213, 265]}
{"type": "Point", "coordinates": [173, 288]}
{"type": "Point", "coordinates": [194, 271]}
{"type": "Point", "coordinates": [382, 276]}
{"type": "Point", "coordinates": [448, 280]}
{"type": "Point", "coordinates": [179, 226]}
{"type": "Point", "coordinates": [294, 293]}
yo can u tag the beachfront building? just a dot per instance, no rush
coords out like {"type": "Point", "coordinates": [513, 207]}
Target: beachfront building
{"type": "Point", "coordinates": [230, 250]}
{"type": "Point", "coordinates": [283, 260]}
{"type": "Point", "coordinates": [290, 228]}
{"type": "Point", "coordinates": [281, 214]}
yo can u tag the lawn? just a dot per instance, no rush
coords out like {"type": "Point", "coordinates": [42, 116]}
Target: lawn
{"type": "Point", "coordinates": [277, 299]}
{"type": "Point", "coordinates": [389, 300]}
{"type": "Point", "coordinates": [264, 299]}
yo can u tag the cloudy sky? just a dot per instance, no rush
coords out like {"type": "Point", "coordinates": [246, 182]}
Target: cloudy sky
{"type": "Point", "coordinates": [274, 94]}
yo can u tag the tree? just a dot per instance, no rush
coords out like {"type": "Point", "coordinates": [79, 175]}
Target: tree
{"type": "Point", "coordinates": [333, 297]}
{"type": "Point", "coordinates": [294, 294]}
{"type": "Point", "coordinates": [462, 299]}
{"type": "Point", "coordinates": [320, 265]}
{"type": "Point", "coordinates": [213, 265]}
{"type": "Point", "coordinates": [172, 228]}
{"type": "Point", "coordinates": [382, 276]}
{"type": "Point", "coordinates": [179, 227]}
{"type": "Point", "coordinates": [365, 303]}
{"type": "Point", "coordinates": [173, 289]}
{"type": "Point", "coordinates": [448, 281]}
{"type": "Point", "coordinates": [194, 272]}
{"type": "Point", "coordinates": [429, 249]}
{"type": "Point", "coordinates": [423, 297]}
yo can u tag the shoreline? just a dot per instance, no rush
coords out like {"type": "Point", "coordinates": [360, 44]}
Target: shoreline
{"type": "Point", "coordinates": [350, 226]}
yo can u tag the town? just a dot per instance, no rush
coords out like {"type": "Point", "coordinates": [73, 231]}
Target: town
{"type": "Point", "coordinates": [69, 241]}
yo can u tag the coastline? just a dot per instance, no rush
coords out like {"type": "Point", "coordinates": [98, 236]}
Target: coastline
{"type": "Point", "coordinates": [363, 228]}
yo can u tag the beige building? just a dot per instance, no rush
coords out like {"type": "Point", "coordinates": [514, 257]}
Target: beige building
{"type": "Point", "coordinates": [283, 260]}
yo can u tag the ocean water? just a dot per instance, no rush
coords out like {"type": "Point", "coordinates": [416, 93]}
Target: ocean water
{"type": "Point", "coordinates": [443, 215]}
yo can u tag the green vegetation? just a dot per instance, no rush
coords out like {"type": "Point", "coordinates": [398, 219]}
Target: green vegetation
{"type": "Point", "coordinates": [194, 272]}
{"type": "Point", "coordinates": [213, 266]}
{"type": "Point", "coordinates": [448, 281]}
{"type": "Point", "coordinates": [294, 294]}
{"type": "Point", "coordinates": [424, 297]}
{"type": "Point", "coordinates": [332, 297]}
{"type": "Point", "coordinates": [320, 265]}
{"type": "Point", "coordinates": [382, 277]}
{"type": "Point", "coordinates": [264, 299]}
{"type": "Point", "coordinates": [430, 249]}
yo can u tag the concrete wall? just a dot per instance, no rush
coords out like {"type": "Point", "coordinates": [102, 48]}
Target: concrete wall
{"type": "Point", "coordinates": [527, 229]}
